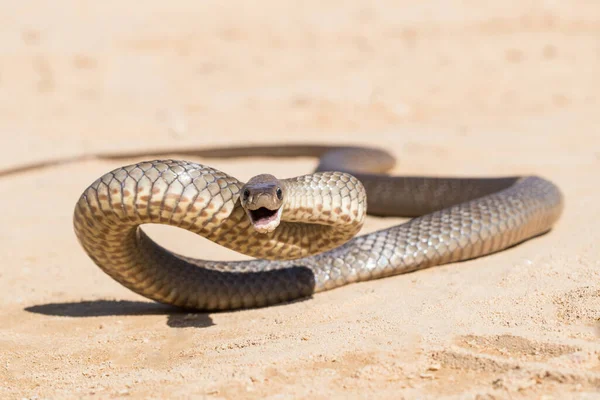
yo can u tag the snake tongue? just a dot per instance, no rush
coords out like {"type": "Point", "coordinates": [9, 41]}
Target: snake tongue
{"type": "Point", "coordinates": [264, 220]}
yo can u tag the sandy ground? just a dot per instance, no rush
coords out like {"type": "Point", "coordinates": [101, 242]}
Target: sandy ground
{"type": "Point", "coordinates": [454, 88]}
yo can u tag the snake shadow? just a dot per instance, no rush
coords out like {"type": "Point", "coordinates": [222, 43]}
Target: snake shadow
{"type": "Point", "coordinates": [176, 317]}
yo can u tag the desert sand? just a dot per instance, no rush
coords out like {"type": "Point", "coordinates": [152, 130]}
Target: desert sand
{"type": "Point", "coordinates": [450, 88]}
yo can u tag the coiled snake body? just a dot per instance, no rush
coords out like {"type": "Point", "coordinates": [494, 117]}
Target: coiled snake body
{"type": "Point", "coordinates": [458, 219]}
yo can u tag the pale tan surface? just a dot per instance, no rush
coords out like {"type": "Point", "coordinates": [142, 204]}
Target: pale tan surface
{"type": "Point", "coordinates": [450, 88]}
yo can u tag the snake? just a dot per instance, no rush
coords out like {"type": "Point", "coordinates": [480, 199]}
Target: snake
{"type": "Point", "coordinates": [302, 232]}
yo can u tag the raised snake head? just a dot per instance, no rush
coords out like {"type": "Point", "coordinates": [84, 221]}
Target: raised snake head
{"type": "Point", "coordinates": [262, 198]}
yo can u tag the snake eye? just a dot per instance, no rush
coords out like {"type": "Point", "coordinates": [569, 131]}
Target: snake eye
{"type": "Point", "coordinates": [279, 194]}
{"type": "Point", "coordinates": [246, 194]}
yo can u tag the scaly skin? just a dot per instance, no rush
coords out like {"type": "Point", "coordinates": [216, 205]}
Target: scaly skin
{"type": "Point", "coordinates": [298, 258]}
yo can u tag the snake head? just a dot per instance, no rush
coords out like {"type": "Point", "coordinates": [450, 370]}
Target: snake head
{"type": "Point", "coordinates": [262, 198]}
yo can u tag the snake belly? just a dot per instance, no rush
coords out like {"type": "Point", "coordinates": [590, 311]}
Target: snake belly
{"type": "Point", "coordinates": [456, 219]}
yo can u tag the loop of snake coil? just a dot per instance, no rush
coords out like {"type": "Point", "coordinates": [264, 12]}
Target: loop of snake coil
{"type": "Point", "coordinates": [461, 218]}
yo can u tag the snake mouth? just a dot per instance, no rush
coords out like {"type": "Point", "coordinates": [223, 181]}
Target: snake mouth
{"type": "Point", "coordinates": [265, 220]}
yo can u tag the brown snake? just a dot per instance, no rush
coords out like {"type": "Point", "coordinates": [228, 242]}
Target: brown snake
{"type": "Point", "coordinates": [457, 219]}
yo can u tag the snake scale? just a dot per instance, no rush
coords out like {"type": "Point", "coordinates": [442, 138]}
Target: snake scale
{"type": "Point", "coordinates": [313, 247]}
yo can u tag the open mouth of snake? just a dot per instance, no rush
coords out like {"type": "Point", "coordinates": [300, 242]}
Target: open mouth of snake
{"type": "Point", "coordinates": [263, 216]}
{"type": "Point", "coordinates": [264, 220]}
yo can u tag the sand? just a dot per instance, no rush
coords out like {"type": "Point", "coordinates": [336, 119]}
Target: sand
{"type": "Point", "coordinates": [450, 88]}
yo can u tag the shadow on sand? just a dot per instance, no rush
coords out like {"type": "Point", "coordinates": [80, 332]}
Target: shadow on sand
{"type": "Point", "coordinates": [176, 317]}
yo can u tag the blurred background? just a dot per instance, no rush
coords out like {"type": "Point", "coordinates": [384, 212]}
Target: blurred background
{"type": "Point", "coordinates": [87, 76]}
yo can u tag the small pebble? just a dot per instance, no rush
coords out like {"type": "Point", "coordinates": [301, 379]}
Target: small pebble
{"type": "Point", "coordinates": [434, 367]}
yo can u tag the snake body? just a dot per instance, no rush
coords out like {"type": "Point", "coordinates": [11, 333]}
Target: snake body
{"type": "Point", "coordinates": [312, 249]}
